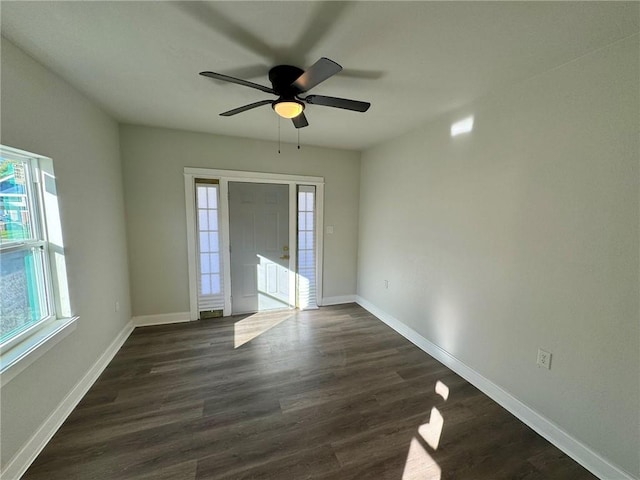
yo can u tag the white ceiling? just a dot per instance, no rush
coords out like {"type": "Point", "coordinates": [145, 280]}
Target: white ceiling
{"type": "Point", "coordinates": [412, 60]}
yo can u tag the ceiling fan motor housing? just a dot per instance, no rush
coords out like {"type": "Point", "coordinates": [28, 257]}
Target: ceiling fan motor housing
{"type": "Point", "coordinates": [282, 78]}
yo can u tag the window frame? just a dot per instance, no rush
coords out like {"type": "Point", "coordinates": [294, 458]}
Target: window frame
{"type": "Point", "coordinates": [38, 240]}
{"type": "Point", "coordinates": [209, 299]}
{"type": "Point", "coordinates": [23, 348]}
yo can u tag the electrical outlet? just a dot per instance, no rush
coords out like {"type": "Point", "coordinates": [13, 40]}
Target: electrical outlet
{"type": "Point", "coordinates": [544, 359]}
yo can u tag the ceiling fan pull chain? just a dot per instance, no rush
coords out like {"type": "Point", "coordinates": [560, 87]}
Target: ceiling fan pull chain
{"type": "Point", "coordinates": [298, 138]}
{"type": "Point", "coordinates": [278, 134]}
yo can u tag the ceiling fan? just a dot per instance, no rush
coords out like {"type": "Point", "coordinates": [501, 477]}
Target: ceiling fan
{"type": "Point", "coordinates": [288, 83]}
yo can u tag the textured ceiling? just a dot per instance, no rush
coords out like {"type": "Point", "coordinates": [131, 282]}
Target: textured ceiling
{"type": "Point", "coordinates": [412, 60]}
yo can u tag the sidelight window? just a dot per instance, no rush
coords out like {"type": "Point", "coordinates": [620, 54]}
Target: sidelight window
{"type": "Point", "coordinates": [210, 285]}
{"type": "Point", "coordinates": [306, 246]}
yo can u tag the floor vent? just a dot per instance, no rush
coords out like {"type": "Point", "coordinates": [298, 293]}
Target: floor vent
{"type": "Point", "coordinates": [208, 314]}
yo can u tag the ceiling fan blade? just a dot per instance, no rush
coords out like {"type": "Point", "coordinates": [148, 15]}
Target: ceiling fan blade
{"type": "Point", "coordinates": [319, 25]}
{"type": "Point", "coordinates": [344, 103]}
{"type": "Point", "coordinates": [239, 81]}
{"type": "Point", "coordinates": [216, 21]}
{"type": "Point", "coordinates": [246, 107]}
{"type": "Point", "coordinates": [300, 121]}
{"type": "Point", "coordinates": [316, 73]}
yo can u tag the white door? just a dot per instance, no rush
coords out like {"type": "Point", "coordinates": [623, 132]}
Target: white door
{"type": "Point", "coordinates": [259, 241]}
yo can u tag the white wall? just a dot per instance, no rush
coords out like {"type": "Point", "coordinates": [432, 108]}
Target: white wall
{"type": "Point", "coordinates": [153, 165]}
{"type": "Point", "coordinates": [523, 234]}
{"type": "Point", "coordinates": [43, 114]}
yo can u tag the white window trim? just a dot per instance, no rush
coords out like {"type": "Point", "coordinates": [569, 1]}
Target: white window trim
{"type": "Point", "coordinates": [224, 177]}
{"type": "Point", "coordinates": [18, 353]}
{"type": "Point", "coordinates": [49, 333]}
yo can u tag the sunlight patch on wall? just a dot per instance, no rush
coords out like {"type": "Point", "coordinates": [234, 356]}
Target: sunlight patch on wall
{"type": "Point", "coordinates": [446, 323]}
{"type": "Point", "coordinates": [463, 126]}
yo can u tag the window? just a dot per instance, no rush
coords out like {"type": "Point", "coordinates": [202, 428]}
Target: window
{"type": "Point", "coordinates": [210, 292]}
{"type": "Point", "coordinates": [306, 247]}
{"type": "Point", "coordinates": [33, 291]}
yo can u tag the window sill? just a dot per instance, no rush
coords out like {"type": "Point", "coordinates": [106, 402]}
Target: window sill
{"type": "Point", "coordinates": [16, 359]}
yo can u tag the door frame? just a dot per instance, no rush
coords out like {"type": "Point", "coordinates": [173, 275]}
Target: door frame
{"type": "Point", "coordinates": [224, 177]}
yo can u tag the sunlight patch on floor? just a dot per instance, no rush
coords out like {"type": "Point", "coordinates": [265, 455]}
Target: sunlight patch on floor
{"type": "Point", "coordinates": [431, 431]}
{"type": "Point", "coordinates": [255, 325]}
{"type": "Point", "coordinates": [420, 465]}
{"type": "Point", "coordinates": [442, 390]}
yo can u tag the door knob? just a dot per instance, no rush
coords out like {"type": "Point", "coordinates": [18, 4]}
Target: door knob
{"type": "Point", "coordinates": [285, 257]}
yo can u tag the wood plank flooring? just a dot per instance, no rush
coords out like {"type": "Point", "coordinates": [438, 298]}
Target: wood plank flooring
{"type": "Point", "coordinates": [326, 394]}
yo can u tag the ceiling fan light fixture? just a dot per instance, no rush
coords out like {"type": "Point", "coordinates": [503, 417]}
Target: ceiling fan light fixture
{"type": "Point", "coordinates": [288, 108]}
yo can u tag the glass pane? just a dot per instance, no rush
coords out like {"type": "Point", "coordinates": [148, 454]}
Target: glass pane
{"type": "Point", "coordinates": [205, 284]}
{"type": "Point", "coordinates": [215, 284]}
{"type": "Point", "coordinates": [15, 212]}
{"type": "Point", "coordinates": [310, 205]}
{"type": "Point", "coordinates": [302, 244]}
{"type": "Point", "coordinates": [204, 242]}
{"type": "Point", "coordinates": [202, 220]}
{"type": "Point", "coordinates": [213, 220]}
{"type": "Point", "coordinates": [22, 302]}
{"type": "Point", "coordinates": [213, 197]}
{"type": "Point", "coordinates": [202, 197]}
{"type": "Point", "coordinates": [308, 239]}
{"type": "Point", "coordinates": [215, 263]}
{"type": "Point", "coordinates": [309, 258]}
{"type": "Point", "coordinates": [301, 223]}
{"type": "Point", "coordinates": [213, 242]}
{"type": "Point", "coordinates": [204, 263]}
{"type": "Point", "coordinates": [309, 221]}
{"type": "Point", "coordinates": [302, 201]}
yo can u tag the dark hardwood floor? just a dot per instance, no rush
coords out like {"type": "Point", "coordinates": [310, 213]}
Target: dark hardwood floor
{"type": "Point", "coordinates": [326, 394]}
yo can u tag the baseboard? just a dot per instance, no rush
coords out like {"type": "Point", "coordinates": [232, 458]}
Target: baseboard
{"type": "Point", "coordinates": [326, 301]}
{"type": "Point", "coordinates": [21, 461]}
{"type": "Point", "coordinates": [161, 319]}
{"type": "Point", "coordinates": [582, 454]}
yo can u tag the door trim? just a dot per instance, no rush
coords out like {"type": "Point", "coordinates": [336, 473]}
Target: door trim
{"type": "Point", "coordinates": [224, 177]}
